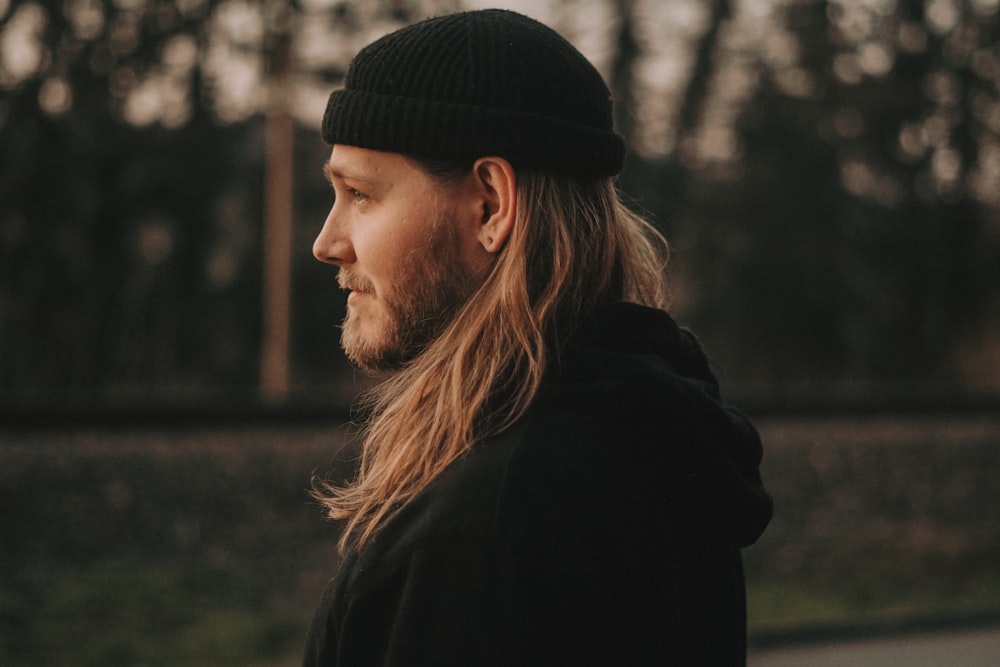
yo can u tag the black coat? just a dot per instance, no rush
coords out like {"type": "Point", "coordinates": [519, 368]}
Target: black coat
{"type": "Point", "coordinates": [603, 529]}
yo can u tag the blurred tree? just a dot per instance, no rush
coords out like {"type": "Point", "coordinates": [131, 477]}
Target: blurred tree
{"type": "Point", "coordinates": [108, 229]}
{"type": "Point", "coordinates": [828, 173]}
{"type": "Point", "coordinates": [130, 187]}
{"type": "Point", "coordinates": [847, 232]}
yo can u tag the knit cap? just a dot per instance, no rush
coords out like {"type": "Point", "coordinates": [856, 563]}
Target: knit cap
{"type": "Point", "coordinates": [479, 83]}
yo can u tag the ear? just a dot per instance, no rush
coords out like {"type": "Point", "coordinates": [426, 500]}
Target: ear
{"type": "Point", "coordinates": [496, 182]}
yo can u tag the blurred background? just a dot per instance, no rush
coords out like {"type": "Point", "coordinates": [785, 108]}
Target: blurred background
{"type": "Point", "coordinates": [828, 174]}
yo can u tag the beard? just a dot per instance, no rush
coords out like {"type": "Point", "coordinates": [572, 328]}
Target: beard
{"type": "Point", "coordinates": [418, 303]}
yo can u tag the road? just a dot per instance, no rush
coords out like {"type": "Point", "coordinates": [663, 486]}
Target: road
{"type": "Point", "coordinates": [971, 648]}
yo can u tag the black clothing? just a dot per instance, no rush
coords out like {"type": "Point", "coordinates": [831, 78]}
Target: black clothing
{"type": "Point", "coordinates": [603, 529]}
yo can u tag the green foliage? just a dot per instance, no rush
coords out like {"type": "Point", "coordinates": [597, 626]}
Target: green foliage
{"type": "Point", "coordinates": [162, 547]}
{"type": "Point", "coordinates": [880, 521]}
{"type": "Point", "coordinates": [780, 609]}
{"type": "Point", "coordinates": [145, 612]}
{"type": "Point", "coordinates": [200, 546]}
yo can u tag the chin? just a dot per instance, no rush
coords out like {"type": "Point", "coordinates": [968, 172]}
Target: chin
{"type": "Point", "coordinates": [369, 351]}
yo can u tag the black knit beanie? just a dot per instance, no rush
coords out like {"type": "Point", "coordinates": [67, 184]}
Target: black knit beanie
{"type": "Point", "coordinates": [468, 85]}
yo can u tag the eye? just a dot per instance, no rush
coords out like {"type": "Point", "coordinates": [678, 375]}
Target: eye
{"type": "Point", "coordinates": [350, 194]}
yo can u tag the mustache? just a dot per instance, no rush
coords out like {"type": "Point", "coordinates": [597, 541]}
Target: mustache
{"type": "Point", "coordinates": [354, 283]}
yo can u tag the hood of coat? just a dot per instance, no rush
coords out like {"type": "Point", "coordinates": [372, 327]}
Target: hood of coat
{"type": "Point", "coordinates": [635, 366]}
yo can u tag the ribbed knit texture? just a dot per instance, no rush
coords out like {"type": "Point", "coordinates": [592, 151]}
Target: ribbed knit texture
{"type": "Point", "coordinates": [468, 85]}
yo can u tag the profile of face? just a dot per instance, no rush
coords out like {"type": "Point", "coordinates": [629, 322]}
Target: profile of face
{"type": "Point", "coordinates": [408, 247]}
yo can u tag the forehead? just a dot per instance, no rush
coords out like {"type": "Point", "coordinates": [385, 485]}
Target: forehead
{"type": "Point", "coordinates": [373, 167]}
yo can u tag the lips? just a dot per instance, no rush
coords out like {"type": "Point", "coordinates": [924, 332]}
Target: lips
{"type": "Point", "coordinates": [355, 285]}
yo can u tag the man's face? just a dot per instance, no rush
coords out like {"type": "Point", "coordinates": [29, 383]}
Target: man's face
{"type": "Point", "coordinates": [407, 251]}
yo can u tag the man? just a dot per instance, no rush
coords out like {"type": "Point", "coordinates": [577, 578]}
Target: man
{"type": "Point", "coordinates": [548, 475]}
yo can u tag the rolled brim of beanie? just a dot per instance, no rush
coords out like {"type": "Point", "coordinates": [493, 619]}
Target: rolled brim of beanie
{"type": "Point", "coordinates": [457, 131]}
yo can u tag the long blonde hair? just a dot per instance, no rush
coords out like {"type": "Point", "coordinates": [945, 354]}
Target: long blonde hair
{"type": "Point", "coordinates": [574, 246]}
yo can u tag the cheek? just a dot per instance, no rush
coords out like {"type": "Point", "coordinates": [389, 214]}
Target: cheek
{"type": "Point", "coordinates": [378, 248]}
{"type": "Point", "coordinates": [406, 242]}
{"type": "Point", "coordinates": [397, 244]}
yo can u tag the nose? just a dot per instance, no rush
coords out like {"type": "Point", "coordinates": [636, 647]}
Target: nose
{"type": "Point", "coordinates": [332, 245]}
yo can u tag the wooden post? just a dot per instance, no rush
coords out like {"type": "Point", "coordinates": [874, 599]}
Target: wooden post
{"type": "Point", "coordinates": [275, 376]}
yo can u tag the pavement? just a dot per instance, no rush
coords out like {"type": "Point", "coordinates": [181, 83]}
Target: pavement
{"type": "Point", "coordinates": [966, 648]}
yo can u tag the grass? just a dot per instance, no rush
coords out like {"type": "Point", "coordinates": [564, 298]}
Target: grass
{"type": "Point", "coordinates": [162, 546]}
{"type": "Point", "coordinates": [780, 610]}
{"type": "Point", "coordinates": [881, 524]}
{"type": "Point", "coordinates": [130, 612]}
{"type": "Point", "coordinates": [200, 546]}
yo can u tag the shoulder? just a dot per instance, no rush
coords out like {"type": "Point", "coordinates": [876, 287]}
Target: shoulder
{"type": "Point", "coordinates": [526, 483]}
{"type": "Point", "coordinates": [457, 508]}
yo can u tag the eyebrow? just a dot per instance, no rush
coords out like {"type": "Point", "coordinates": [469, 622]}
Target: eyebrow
{"type": "Point", "coordinates": [331, 172]}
